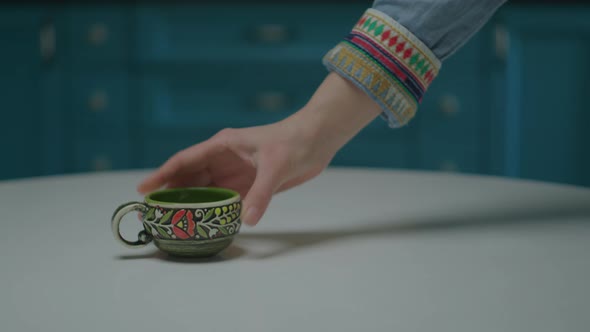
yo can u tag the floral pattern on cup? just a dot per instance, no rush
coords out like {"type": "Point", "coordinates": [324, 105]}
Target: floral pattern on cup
{"type": "Point", "coordinates": [187, 224]}
{"type": "Point", "coordinates": [183, 225]}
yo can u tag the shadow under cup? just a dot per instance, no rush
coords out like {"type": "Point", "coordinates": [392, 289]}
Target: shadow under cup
{"type": "Point", "coordinates": [191, 222]}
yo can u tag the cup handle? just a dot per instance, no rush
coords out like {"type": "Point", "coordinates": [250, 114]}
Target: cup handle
{"type": "Point", "coordinates": [143, 238]}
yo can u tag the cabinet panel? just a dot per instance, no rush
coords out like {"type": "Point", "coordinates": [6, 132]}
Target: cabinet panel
{"type": "Point", "coordinates": [104, 154]}
{"type": "Point", "coordinates": [99, 34]}
{"type": "Point", "coordinates": [546, 114]}
{"type": "Point", "coordinates": [54, 122]}
{"type": "Point", "coordinates": [219, 95]}
{"type": "Point", "coordinates": [100, 103]}
{"type": "Point", "coordinates": [554, 139]}
{"type": "Point", "coordinates": [20, 134]}
{"type": "Point", "coordinates": [454, 105]}
{"type": "Point", "coordinates": [20, 29]}
{"type": "Point", "coordinates": [20, 72]}
{"type": "Point", "coordinates": [272, 32]}
{"type": "Point", "coordinates": [453, 117]}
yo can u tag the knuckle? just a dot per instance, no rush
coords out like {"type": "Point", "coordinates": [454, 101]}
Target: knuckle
{"type": "Point", "coordinates": [226, 133]}
{"type": "Point", "coordinates": [174, 165]}
{"type": "Point", "coordinates": [225, 136]}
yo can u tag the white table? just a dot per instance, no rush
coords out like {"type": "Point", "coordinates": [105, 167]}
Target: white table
{"type": "Point", "coordinates": [353, 250]}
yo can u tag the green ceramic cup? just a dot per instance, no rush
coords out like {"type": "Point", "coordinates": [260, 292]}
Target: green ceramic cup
{"type": "Point", "coordinates": [192, 222]}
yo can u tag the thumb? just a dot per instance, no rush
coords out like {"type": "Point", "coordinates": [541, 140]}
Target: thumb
{"type": "Point", "coordinates": [260, 194]}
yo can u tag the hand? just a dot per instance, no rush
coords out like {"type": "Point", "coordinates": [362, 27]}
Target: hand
{"type": "Point", "coordinates": [257, 162]}
{"type": "Point", "coordinates": [260, 161]}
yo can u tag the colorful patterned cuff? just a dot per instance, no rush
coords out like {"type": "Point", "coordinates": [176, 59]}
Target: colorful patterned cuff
{"type": "Point", "coordinates": [388, 62]}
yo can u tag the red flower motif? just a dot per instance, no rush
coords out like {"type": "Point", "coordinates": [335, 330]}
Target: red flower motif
{"type": "Point", "coordinates": [183, 224]}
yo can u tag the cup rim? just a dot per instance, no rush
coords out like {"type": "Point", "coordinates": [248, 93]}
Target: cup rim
{"type": "Point", "coordinates": [235, 197]}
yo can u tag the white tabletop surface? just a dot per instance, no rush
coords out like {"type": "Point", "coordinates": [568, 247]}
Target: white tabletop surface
{"type": "Point", "coordinates": [352, 250]}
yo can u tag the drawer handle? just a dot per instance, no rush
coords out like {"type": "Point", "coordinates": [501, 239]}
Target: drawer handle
{"type": "Point", "coordinates": [271, 33]}
{"type": "Point", "coordinates": [271, 101]}
{"type": "Point", "coordinates": [502, 42]}
{"type": "Point", "coordinates": [98, 101]}
{"type": "Point", "coordinates": [449, 105]}
{"type": "Point", "coordinates": [101, 163]}
{"type": "Point", "coordinates": [47, 41]}
{"type": "Point", "coordinates": [98, 34]}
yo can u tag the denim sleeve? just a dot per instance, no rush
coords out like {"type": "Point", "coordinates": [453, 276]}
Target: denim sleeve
{"type": "Point", "coordinates": [396, 49]}
{"type": "Point", "coordinates": [443, 25]}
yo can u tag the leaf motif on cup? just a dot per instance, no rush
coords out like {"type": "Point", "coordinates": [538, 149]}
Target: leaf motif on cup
{"type": "Point", "coordinates": [148, 228]}
{"type": "Point", "coordinates": [165, 220]}
{"type": "Point", "coordinates": [150, 215]}
{"type": "Point", "coordinates": [201, 231]}
{"type": "Point", "coordinates": [162, 232]}
{"type": "Point", "coordinates": [208, 215]}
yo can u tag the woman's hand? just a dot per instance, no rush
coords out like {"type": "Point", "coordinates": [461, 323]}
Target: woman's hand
{"type": "Point", "coordinates": [261, 161]}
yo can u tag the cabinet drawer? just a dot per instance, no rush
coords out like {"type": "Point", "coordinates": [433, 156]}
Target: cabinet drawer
{"type": "Point", "coordinates": [457, 104]}
{"type": "Point", "coordinates": [100, 104]}
{"type": "Point", "coordinates": [222, 95]}
{"type": "Point", "coordinates": [252, 31]}
{"type": "Point", "coordinates": [99, 34]}
{"type": "Point", "coordinates": [20, 136]}
{"type": "Point", "coordinates": [94, 155]}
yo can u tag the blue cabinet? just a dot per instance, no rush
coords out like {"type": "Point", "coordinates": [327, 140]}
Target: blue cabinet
{"type": "Point", "coordinates": [30, 90]}
{"type": "Point", "coordinates": [20, 134]}
{"type": "Point", "coordinates": [106, 86]}
{"type": "Point", "coordinates": [102, 89]}
{"type": "Point", "coordinates": [452, 116]}
{"type": "Point", "coordinates": [542, 120]}
{"type": "Point", "coordinates": [273, 33]}
{"type": "Point", "coordinates": [201, 68]}
{"type": "Point", "coordinates": [98, 34]}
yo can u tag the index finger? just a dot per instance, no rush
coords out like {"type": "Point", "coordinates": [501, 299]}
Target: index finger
{"type": "Point", "coordinates": [190, 159]}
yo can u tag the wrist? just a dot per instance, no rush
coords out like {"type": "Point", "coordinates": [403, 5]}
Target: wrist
{"type": "Point", "coordinates": [335, 113]}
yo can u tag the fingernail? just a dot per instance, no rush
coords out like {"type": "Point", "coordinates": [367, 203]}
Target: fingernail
{"type": "Point", "coordinates": [250, 216]}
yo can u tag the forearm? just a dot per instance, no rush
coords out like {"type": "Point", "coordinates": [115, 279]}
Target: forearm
{"type": "Point", "coordinates": [336, 112]}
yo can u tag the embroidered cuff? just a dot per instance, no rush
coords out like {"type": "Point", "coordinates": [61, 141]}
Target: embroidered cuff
{"type": "Point", "coordinates": [388, 62]}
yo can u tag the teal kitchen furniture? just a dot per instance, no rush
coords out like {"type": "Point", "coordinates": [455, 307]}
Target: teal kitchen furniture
{"type": "Point", "coordinates": [90, 87]}
{"type": "Point", "coordinates": [542, 84]}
